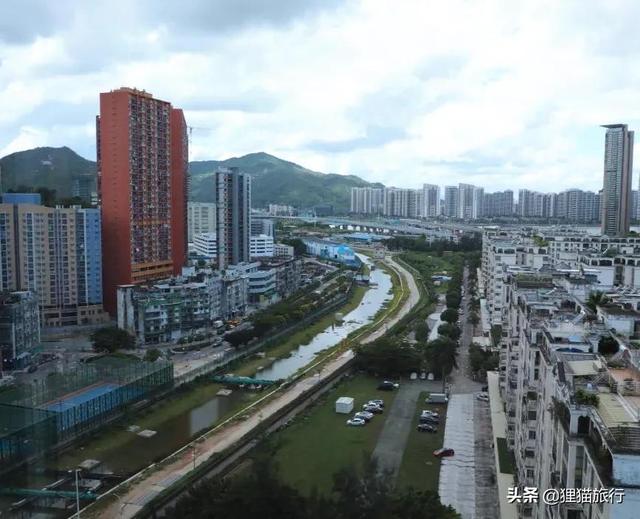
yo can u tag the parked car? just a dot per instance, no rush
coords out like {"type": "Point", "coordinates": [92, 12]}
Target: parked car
{"type": "Point", "coordinates": [32, 368]}
{"type": "Point", "coordinates": [371, 408]}
{"type": "Point", "coordinates": [356, 422]}
{"type": "Point", "coordinates": [483, 397]}
{"type": "Point", "coordinates": [425, 427]}
{"type": "Point", "coordinates": [387, 385]}
{"type": "Point", "coordinates": [377, 401]}
{"type": "Point", "coordinates": [484, 389]}
{"type": "Point", "coordinates": [437, 398]}
{"type": "Point", "coordinates": [428, 412]}
{"type": "Point", "coordinates": [363, 415]}
{"type": "Point", "coordinates": [444, 452]}
{"type": "Point", "coordinates": [429, 420]}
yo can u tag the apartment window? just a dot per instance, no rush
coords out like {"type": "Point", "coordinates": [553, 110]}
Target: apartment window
{"type": "Point", "coordinates": [532, 435]}
{"type": "Point", "coordinates": [531, 415]}
{"type": "Point", "coordinates": [530, 473]}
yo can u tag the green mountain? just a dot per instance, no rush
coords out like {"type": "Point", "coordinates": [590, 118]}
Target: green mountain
{"type": "Point", "coordinates": [278, 181]}
{"type": "Point", "coordinates": [274, 180]}
{"type": "Point", "coordinates": [61, 169]}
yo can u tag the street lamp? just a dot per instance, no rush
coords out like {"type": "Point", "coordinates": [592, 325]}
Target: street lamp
{"type": "Point", "coordinates": [193, 450]}
{"type": "Point", "coordinates": [77, 471]}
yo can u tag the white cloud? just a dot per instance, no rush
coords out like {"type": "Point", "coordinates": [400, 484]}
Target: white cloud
{"type": "Point", "coordinates": [502, 94]}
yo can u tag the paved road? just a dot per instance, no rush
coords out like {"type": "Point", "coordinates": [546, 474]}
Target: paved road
{"type": "Point", "coordinates": [457, 485]}
{"type": "Point", "coordinates": [487, 502]}
{"type": "Point", "coordinates": [467, 481]}
{"type": "Point", "coordinates": [395, 432]}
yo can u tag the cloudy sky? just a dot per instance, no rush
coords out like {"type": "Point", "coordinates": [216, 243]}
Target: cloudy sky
{"type": "Point", "coordinates": [501, 94]}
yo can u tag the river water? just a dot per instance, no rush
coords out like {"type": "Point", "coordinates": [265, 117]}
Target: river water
{"type": "Point", "coordinates": [128, 452]}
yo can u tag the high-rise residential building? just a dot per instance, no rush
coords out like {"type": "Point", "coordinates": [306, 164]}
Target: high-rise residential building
{"type": "Point", "coordinates": [532, 204]}
{"type": "Point", "coordinates": [576, 205]}
{"type": "Point", "coordinates": [55, 253]}
{"type": "Point", "coordinates": [233, 200]}
{"type": "Point", "coordinates": [549, 201]}
{"type": "Point", "coordinates": [201, 218]}
{"type": "Point", "coordinates": [451, 201]}
{"type": "Point", "coordinates": [616, 191]}
{"type": "Point", "coordinates": [395, 202]}
{"type": "Point", "coordinates": [142, 185]}
{"type": "Point", "coordinates": [366, 200]}
{"type": "Point", "coordinates": [431, 200]}
{"type": "Point", "coordinates": [498, 204]}
{"type": "Point", "coordinates": [262, 226]}
{"type": "Point", "coordinates": [470, 200]}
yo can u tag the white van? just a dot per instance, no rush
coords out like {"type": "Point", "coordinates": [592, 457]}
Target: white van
{"type": "Point", "coordinates": [437, 398]}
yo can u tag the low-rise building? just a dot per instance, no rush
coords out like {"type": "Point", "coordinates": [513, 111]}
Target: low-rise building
{"type": "Point", "coordinates": [261, 246]}
{"type": "Point", "coordinates": [19, 329]}
{"type": "Point", "coordinates": [206, 245]}
{"type": "Point", "coordinates": [167, 311]}
{"type": "Point", "coordinates": [280, 250]}
{"type": "Point", "coordinates": [332, 251]}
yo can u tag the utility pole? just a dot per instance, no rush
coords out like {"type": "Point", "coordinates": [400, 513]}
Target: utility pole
{"type": "Point", "coordinates": [77, 471]}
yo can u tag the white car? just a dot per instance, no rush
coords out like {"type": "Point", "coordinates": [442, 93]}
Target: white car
{"type": "Point", "coordinates": [484, 397]}
{"type": "Point", "coordinates": [356, 422]}
{"type": "Point", "coordinates": [363, 415]}
{"type": "Point", "coordinates": [427, 412]}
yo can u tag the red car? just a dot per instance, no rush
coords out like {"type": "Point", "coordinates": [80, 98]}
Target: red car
{"type": "Point", "coordinates": [443, 453]}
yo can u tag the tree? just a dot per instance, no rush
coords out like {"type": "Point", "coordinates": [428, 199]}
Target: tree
{"type": "Point", "coordinates": [449, 330]}
{"type": "Point", "coordinates": [152, 355]}
{"type": "Point", "coordinates": [356, 494]}
{"type": "Point", "coordinates": [453, 299]}
{"type": "Point", "coordinates": [607, 345]}
{"type": "Point", "coordinates": [450, 315]}
{"type": "Point", "coordinates": [112, 338]}
{"type": "Point", "coordinates": [441, 355]}
{"type": "Point", "coordinates": [482, 361]}
{"type": "Point", "coordinates": [239, 337]}
{"type": "Point", "coordinates": [388, 357]}
{"type": "Point", "coordinates": [596, 298]}
{"type": "Point", "coordinates": [299, 248]}
{"type": "Point", "coordinates": [473, 319]}
{"type": "Point", "coordinates": [422, 331]}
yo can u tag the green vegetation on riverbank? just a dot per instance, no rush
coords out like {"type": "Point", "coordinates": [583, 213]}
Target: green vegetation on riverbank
{"type": "Point", "coordinates": [282, 349]}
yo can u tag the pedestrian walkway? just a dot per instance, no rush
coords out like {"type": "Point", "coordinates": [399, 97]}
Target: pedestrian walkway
{"type": "Point", "coordinates": [457, 485]}
{"type": "Point", "coordinates": [499, 427]}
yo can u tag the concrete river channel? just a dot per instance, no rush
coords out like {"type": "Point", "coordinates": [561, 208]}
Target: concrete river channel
{"type": "Point", "coordinates": [128, 453]}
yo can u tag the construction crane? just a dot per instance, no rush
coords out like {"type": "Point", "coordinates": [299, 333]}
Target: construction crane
{"type": "Point", "coordinates": [191, 128]}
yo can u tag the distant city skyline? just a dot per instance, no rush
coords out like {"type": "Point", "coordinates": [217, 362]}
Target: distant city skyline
{"type": "Point", "coordinates": [503, 95]}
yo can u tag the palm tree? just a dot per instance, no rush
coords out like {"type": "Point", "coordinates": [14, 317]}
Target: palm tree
{"type": "Point", "coordinates": [596, 298]}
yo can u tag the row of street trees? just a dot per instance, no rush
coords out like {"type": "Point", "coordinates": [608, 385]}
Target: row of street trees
{"type": "Point", "coordinates": [395, 356]}
{"type": "Point", "coordinates": [365, 494]}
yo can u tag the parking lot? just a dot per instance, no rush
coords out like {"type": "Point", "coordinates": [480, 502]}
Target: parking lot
{"type": "Point", "coordinates": [401, 418]}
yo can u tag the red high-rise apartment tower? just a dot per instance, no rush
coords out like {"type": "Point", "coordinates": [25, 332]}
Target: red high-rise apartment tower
{"type": "Point", "coordinates": [142, 184]}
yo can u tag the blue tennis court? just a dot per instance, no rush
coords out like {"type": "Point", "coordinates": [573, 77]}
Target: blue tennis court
{"type": "Point", "coordinates": [80, 397]}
